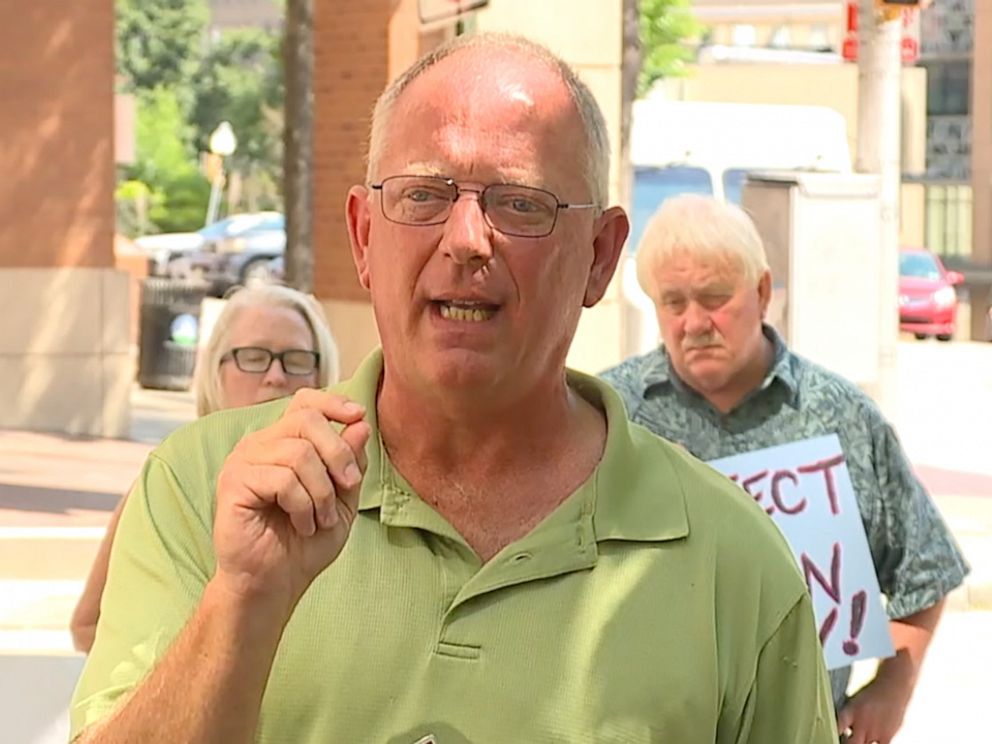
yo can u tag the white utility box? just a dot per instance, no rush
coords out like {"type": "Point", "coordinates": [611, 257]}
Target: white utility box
{"type": "Point", "coordinates": [821, 233]}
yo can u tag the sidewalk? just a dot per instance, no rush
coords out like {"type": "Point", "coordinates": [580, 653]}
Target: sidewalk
{"type": "Point", "coordinates": [56, 496]}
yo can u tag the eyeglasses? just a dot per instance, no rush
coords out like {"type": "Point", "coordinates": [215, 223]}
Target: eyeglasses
{"type": "Point", "coordinates": [256, 360]}
{"type": "Point", "coordinates": [521, 211]}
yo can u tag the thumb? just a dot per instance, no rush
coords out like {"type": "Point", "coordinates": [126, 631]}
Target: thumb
{"type": "Point", "coordinates": [845, 720]}
{"type": "Point", "coordinates": [356, 436]}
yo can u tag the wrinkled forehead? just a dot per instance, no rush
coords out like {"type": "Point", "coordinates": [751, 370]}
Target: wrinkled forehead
{"type": "Point", "coordinates": [496, 96]}
{"type": "Point", "coordinates": [695, 266]}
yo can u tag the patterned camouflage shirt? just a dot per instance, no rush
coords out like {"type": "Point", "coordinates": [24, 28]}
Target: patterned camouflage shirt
{"type": "Point", "coordinates": [915, 556]}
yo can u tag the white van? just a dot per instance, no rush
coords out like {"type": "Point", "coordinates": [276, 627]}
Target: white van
{"type": "Point", "coordinates": [708, 148]}
{"type": "Point", "coordinates": [679, 147]}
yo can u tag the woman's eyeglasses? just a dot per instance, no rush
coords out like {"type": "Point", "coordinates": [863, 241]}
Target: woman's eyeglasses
{"type": "Point", "coordinates": [257, 360]}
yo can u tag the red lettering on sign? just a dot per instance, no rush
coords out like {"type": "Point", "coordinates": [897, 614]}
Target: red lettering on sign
{"type": "Point", "coordinates": [777, 492]}
{"type": "Point", "coordinates": [756, 495]}
{"type": "Point", "coordinates": [828, 624]}
{"type": "Point", "coordinates": [826, 467]}
{"type": "Point", "coordinates": [810, 569]}
{"type": "Point", "coordinates": [858, 603]}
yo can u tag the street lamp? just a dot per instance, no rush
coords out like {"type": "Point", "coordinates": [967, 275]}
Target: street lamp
{"type": "Point", "coordinates": [223, 143]}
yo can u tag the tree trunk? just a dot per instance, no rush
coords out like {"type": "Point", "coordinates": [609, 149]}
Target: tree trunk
{"type": "Point", "coordinates": [298, 144]}
{"type": "Point", "coordinates": [631, 68]}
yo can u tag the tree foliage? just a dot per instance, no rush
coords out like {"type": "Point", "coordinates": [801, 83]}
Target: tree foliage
{"type": "Point", "coordinates": [186, 82]}
{"type": "Point", "coordinates": [160, 43]}
{"type": "Point", "coordinates": [164, 140]}
{"type": "Point", "coordinates": [665, 26]}
{"type": "Point", "coordinates": [241, 81]}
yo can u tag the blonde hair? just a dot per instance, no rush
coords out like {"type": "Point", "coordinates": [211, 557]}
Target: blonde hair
{"type": "Point", "coordinates": [597, 145]}
{"type": "Point", "coordinates": [206, 378]}
{"type": "Point", "coordinates": [703, 228]}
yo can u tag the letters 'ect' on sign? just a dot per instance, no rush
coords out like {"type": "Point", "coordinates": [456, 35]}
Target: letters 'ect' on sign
{"type": "Point", "coordinates": [806, 489]}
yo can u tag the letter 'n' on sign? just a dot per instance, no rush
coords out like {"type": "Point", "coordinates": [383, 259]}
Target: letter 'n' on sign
{"type": "Point", "coordinates": [806, 489]}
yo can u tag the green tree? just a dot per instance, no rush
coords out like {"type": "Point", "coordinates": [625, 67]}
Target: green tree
{"type": "Point", "coordinates": [163, 139]}
{"type": "Point", "coordinates": [182, 204]}
{"type": "Point", "coordinates": [665, 26]}
{"type": "Point", "coordinates": [241, 81]}
{"type": "Point", "coordinates": [166, 163]}
{"type": "Point", "coordinates": [160, 43]}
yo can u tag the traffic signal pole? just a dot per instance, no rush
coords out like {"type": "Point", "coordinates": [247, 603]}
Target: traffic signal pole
{"type": "Point", "coordinates": [878, 152]}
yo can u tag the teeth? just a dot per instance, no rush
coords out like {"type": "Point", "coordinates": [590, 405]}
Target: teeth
{"type": "Point", "coordinates": [465, 314]}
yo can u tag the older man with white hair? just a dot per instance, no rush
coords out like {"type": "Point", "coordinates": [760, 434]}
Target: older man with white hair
{"type": "Point", "coordinates": [723, 383]}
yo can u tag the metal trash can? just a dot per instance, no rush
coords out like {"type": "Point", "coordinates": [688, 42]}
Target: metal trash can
{"type": "Point", "coordinates": [169, 329]}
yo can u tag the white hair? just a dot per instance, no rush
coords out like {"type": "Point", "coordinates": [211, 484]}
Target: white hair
{"type": "Point", "coordinates": [597, 145]}
{"type": "Point", "coordinates": [206, 377]}
{"type": "Point", "coordinates": [703, 228]}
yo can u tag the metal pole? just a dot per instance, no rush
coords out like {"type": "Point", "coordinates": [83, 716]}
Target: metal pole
{"type": "Point", "coordinates": [213, 206]}
{"type": "Point", "coordinates": [879, 146]}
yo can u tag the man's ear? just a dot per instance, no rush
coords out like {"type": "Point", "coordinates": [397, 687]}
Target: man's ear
{"type": "Point", "coordinates": [612, 228]}
{"type": "Point", "coordinates": [358, 215]}
{"type": "Point", "coordinates": [765, 291]}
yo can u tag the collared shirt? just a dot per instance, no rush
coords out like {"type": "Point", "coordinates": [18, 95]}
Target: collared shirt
{"type": "Point", "coordinates": [655, 604]}
{"type": "Point", "coordinates": [915, 556]}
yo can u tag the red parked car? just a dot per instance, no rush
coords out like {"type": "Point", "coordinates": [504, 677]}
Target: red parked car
{"type": "Point", "coordinates": [928, 303]}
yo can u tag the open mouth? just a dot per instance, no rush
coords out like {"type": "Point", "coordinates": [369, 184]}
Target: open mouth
{"type": "Point", "coordinates": [465, 311]}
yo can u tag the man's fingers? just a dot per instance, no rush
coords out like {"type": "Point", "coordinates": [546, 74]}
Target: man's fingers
{"type": "Point", "coordinates": [336, 453]}
{"type": "Point", "coordinates": [302, 458]}
{"type": "Point", "coordinates": [355, 436]}
{"type": "Point", "coordinates": [278, 485]}
{"type": "Point", "coordinates": [331, 406]}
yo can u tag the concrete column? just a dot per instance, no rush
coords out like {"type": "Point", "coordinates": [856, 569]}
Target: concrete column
{"type": "Point", "coordinates": [981, 165]}
{"type": "Point", "coordinates": [65, 361]}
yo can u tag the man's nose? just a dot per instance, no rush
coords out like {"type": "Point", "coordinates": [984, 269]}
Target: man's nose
{"type": "Point", "coordinates": [467, 236]}
{"type": "Point", "coordinates": [697, 319]}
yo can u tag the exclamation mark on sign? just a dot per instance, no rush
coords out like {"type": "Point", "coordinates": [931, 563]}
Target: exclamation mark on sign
{"type": "Point", "coordinates": [851, 646]}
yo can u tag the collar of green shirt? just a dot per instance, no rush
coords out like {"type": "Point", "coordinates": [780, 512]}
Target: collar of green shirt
{"type": "Point", "coordinates": [660, 372]}
{"type": "Point", "coordinates": [625, 499]}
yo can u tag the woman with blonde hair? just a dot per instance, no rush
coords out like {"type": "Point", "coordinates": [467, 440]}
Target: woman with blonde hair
{"type": "Point", "coordinates": [268, 342]}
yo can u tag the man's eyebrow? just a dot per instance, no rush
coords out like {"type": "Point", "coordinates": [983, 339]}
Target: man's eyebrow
{"type": "Point", "coordinates": [422, 169]}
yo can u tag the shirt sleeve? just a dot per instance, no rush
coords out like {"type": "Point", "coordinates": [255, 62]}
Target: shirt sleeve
{"type": "Point", "coordinates": [789, 701]}
{"type": "Point", "coordinates": [161, 559]}
{"type": "Point", "coordinates": [919, 562]}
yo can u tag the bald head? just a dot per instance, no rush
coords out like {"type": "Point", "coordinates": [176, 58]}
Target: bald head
{"type": "Point", "coordinates": [527, 79]}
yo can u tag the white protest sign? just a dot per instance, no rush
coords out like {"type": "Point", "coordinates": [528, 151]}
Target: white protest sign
{"type": "Point", "coordinates": [806, 489]}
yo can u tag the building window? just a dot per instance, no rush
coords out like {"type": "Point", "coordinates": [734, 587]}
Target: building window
{"type": "Point", "coordinates": [819, 38]}
{"type": "Point", "coordinates": [948, 88]}
{"type": "Point", "coordinates": [781, 38]}
{"type": "Point", "coordinates": [745, 35]}
{"type": "Point", "coordinates": [948, 219]}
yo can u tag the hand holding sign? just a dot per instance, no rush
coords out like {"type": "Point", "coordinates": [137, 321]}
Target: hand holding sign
{"type": "Point", "coordinates": [806, 489]}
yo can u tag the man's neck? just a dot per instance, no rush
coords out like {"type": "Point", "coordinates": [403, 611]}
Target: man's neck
{"type": "Point", "coordinates": [453, 430]}
{"type": "Point", "coordinates": [493, 471]}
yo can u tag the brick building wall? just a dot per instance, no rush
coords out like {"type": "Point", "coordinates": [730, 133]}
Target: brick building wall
{"type": "Point", "coordinates": [65, 362]}
{"type": "Point", "coordinates": [57, 125]}
{"type": "Point", "coordinates": [351, 67]}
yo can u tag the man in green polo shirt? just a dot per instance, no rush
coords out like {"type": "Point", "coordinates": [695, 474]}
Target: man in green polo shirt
{"type": "Point", "coordinates": [517, 563]}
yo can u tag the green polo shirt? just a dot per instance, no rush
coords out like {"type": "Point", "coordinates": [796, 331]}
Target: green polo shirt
{"type": "Point", "coordinates": [656, 604]}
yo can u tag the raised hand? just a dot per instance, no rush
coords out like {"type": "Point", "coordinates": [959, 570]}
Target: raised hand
{"type": "Point", "coordinates": [287, 496]}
